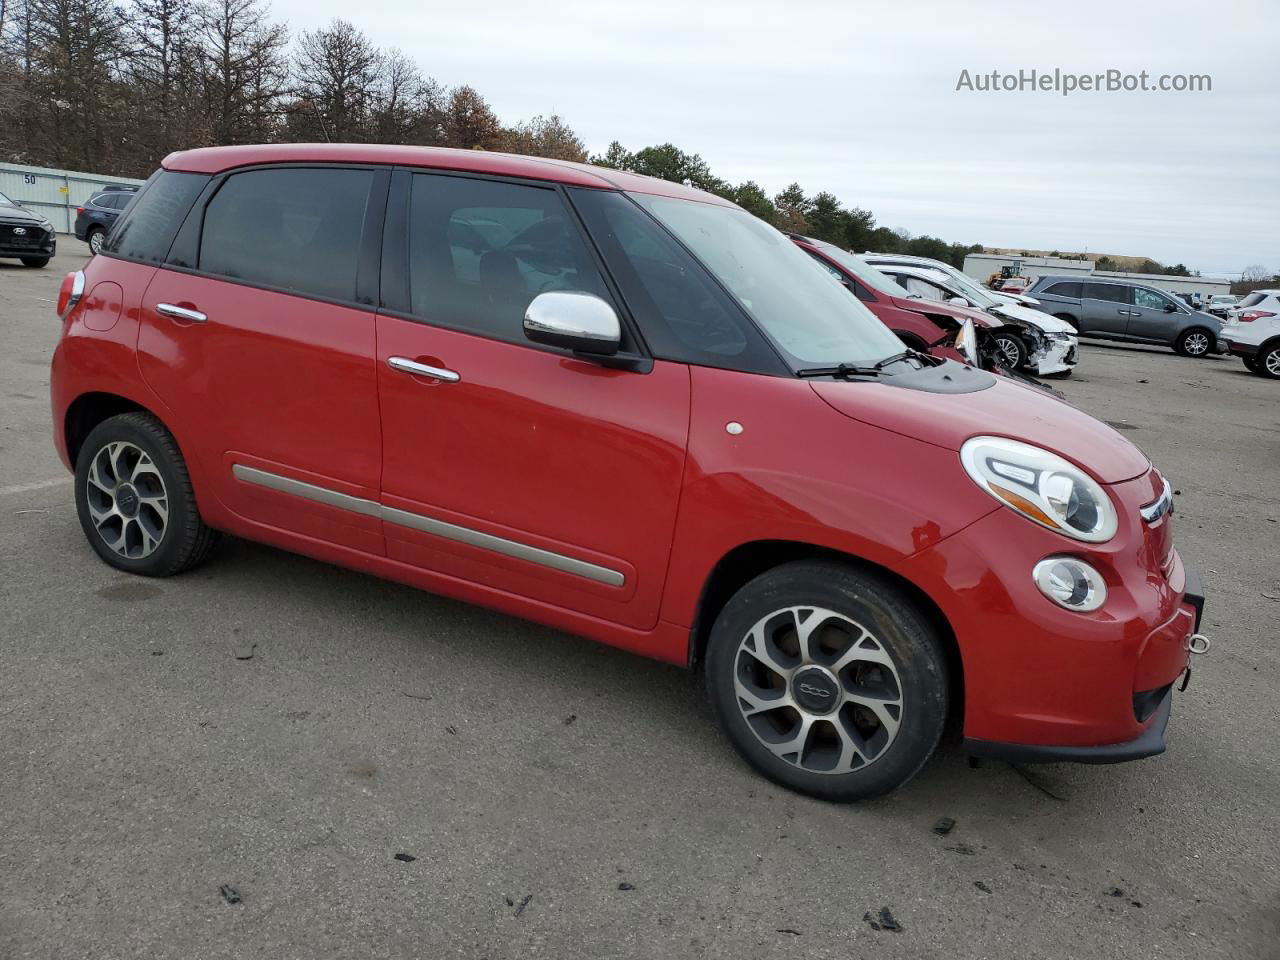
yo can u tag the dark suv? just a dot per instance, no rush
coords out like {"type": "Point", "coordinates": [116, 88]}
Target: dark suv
{"type": "Point", "coordinates": [1121, 310]}
{"type": "Point", "coordinates": [96, 217]}
{"type": "Point", "coordinates": [25, 235]}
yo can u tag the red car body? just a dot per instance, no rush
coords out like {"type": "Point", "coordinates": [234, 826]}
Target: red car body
{"type": "Point", "coordinates": [629, 473]}
{"type": "Point", "coordinates": [927, 325]}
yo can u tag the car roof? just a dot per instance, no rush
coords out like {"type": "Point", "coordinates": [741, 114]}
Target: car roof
{"type": "Point", "coordinates": [923, 271]}
{"type": "Point", "coordinates": [904, 258]}
{"type": "Point", "coordinates": [220, 159]}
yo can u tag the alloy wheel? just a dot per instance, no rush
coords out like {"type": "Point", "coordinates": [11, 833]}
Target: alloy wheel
{"type": "Point", "coordinates": [1196, 344]}
{"type": "Point", "coordinates": [1010, 353]}
{"type": "Point", "coordinates": [818, 690]}
{"type": "Point", "coordinates": [95, 242]}
{"type": "Point", "coordinates": [1272, 363]}
{"type": "Point", "coordinates": [127, 500]}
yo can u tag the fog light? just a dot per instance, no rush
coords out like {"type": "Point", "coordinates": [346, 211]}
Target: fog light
{"type": "Point", "coordinates": [1070, 583]}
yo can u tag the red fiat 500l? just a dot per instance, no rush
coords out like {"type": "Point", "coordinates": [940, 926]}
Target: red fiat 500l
{"type": "Point", "coordinates": [632, 411]}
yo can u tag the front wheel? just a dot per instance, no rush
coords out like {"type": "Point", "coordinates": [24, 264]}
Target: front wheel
{"type": "Point", "coordinates": [1011, 351]}
{"type": "Point", "coordinates": [828, 680]}
{"type": "Point", "coordinates": [36, 262]}
{"type": "Point", "coordinates": [135, 500]}
{"type": "Point", "coordinates": [1268, 362]}
{"type": "Point", "coordinates": [1195, 342]}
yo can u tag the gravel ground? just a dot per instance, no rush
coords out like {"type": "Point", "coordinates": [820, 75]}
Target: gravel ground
{"type": "Point", "coordinates": [554, 798]}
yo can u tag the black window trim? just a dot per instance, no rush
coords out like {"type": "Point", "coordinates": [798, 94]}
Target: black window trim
{"type": "Point", "coordinates": [192, 230]}
{"type": "Point", "coordinates": [395, 293]}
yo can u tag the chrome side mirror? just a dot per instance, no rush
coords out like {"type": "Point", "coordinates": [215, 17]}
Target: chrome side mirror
{"type": "Point", "coordinates": [573, 320]}
{"type": "Point", "coordinates": [967, 342]}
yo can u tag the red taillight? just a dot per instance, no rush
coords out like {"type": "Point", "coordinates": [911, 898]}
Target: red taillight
{"type": "Point", "coordinates": [79, 211]}
{"type": "Point", "coordinates": [70, 292]}
{"type": "Point", "coordinates": [1253, 315]}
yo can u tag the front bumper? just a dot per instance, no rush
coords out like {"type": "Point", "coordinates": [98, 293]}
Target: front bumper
{"type": "Point", "coordinates": [1056, 356]}
{"type": "Point", "coordinates": [1149, 743]}
{"type": "Point", "coordinates": [33, 246]}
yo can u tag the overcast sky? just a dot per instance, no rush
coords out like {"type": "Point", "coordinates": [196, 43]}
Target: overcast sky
{"type": "Point", "coordinates": [860, 99]}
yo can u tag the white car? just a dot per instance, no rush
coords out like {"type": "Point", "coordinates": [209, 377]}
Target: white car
{"type": "Point", "coordinates": [959, 279]}
{"type": "Point", "coordinates": [1220, 304]}
{"type": "Point", "coordinates": [1252, 332]}
{"type": "Point", "coordinates": [1029, 338]}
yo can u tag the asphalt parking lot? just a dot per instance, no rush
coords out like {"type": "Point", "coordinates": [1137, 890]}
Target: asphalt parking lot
{"type": "Point", "coordinates": [555, 798]}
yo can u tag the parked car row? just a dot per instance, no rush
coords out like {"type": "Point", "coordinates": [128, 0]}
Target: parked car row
{"type": "Point", "coordinates": [630, 410]}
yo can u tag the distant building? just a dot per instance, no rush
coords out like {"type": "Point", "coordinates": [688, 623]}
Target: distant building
{"type": "Point", "coordinates": [981, 266]}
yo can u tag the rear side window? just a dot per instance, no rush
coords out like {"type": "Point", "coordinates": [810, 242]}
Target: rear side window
{"type": "Point", "coordinates": [1069, 289]}
{"type": "Point", "coordinates": [481, 250]}
{"type": "Point", "coordinates": [148, 231]}
{"type": "Point", "coordinates": [296, 230]}
{"type": "Point", "coordinates": [1111, 292]}
{"type": "Point", "coordinates": [682, 313]}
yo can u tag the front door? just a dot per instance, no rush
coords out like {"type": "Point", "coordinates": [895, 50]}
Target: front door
{"type": "Point", "coordinates": [1152, 318]}
{"type": "Point", "coordinates": [513, 466]}
{"type": "Point", "coordinates": [1105, 309]}
{"type": "Point", "coordinates": [265, 357]}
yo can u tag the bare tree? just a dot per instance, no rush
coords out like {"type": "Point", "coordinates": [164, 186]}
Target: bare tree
{"type": "Point", "coordinates": [244, 70]}
{"type": "Point", "coordinates": [336, 71]}
{"type": "Point", "coordinates": [1255, 272]}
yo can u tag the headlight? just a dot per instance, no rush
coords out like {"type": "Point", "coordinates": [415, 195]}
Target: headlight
{"type": "Point", "coordinates": [1041, 486]}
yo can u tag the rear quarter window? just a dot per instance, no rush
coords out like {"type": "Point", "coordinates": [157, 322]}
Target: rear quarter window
{"type": "Point", "coordinates": [1070, 289]}
{"type": "Point", "coordinates": [153, 220]}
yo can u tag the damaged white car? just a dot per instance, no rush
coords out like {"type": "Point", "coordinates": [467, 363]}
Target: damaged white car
{"type": "Point", "coordinates": [1029, 339]}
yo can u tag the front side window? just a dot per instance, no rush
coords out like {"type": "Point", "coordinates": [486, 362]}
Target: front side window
{"type": "Point", "coordinates": [809, 318]}
{"type": "Point", "coordinates": [1149, 299]}
{"type": "Point", "coordinates": [294, 229]}
{"type": "Point", "coordinates": [481, 250]}
{"type": "Point", "coordinates": [147, 232]}
{"type": "Point", "coordinates": [1109, 292]}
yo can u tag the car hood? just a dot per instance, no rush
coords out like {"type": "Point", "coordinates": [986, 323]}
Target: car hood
{"type": "Point", "coordinates": [1035, 318]}
{"type": "Point", "coordinates": [959, 314]}
{"type": "Point", "coordinates": [19, 215]}
{"type": "Point", "coordinates": [1006, 409]}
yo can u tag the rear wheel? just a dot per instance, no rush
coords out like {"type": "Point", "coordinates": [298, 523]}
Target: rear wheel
{"type": "Point", "coordinates": [828, 680]}
{"type": "Point", "coordinates": [1268, 362]}
{"type": "Point", "coordinates": [135, 501]}
{"type": "Point", "coordinates": [94, 239]}
{"type": "Point", "coordinates": [35, 262]}
{"type": "Point", "coordinates": [1194, 342]}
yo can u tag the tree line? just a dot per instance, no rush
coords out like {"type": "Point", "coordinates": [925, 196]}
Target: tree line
{"type": "Point", "coordinates": [92, 85]}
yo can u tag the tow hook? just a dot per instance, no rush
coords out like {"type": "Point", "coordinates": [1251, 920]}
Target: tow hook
{"type": "Point", "coordinates": [1198, 644]}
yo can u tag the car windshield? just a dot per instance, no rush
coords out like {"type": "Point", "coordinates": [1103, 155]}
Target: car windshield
{"type": "Point", "coordinates": [794, 300]}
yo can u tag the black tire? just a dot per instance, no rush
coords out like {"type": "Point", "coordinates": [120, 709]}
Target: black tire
{"type": "Point", "coordinates": [1194, 342]}
{"type": "Point", "coordinates": [184, 540]}
{"type": "Point", "coordinates": [35, 262]}
{"type": "Point", "coordinates": [896, 627]}
{"type": "Point", "coordinates": [94, 239]}
{"type": "Point", "coordinates": [1011, 350]}
{"type": "Point", "coordinates": [1268, 362]}
{"type": "Point", "coordinates": [1068, 318]}
{"type": "Point", "coordinates": [1251, 363]}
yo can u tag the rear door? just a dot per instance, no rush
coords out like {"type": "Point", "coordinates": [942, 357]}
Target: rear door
{"type": "Point", "coordinates": [517, 467]}
{"type": "Point", "coordinates": [259, 336]}
{"type": "Point", "coordinates": [1105, 308]}
{"type": "Point", "coordinates": [1154, 316]}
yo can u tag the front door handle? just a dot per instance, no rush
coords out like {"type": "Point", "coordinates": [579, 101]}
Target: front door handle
{"type": "Point", "coordinates": [181, 313]}
{"type": "Point", "coordinates": [405, 365]}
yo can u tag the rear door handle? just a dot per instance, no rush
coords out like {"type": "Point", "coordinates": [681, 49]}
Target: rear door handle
{"type": "Point", "coordinates": [181, 313]}
{"type": "Point", "coordinates": [405, 365]}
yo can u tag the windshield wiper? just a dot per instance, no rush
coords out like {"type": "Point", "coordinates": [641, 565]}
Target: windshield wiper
{"type": "Point", "coordinates": [842, 370]}
{"type": "Point", "coordinates": [925, 359]}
